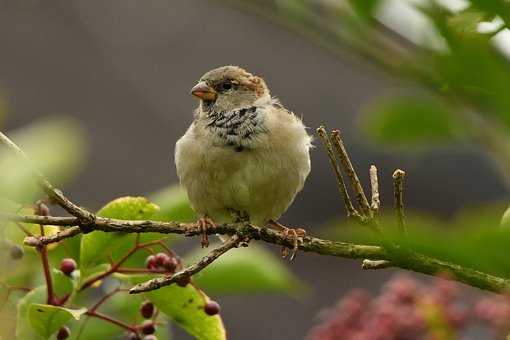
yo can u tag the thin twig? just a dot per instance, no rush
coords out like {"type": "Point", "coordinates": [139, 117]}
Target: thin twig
{"type": "Point", "coordinates": [374, 184]}
{"type": "Point", "coordinates": [159, 282]}
{"type": "Point", "coordinates": [375, 264]}
{"type": "Point", "coordinates": [351, 211]}
{"type": "Point", "coordinates": [90, 282]}
{"type": "Point", "coordinates": [398, 192]}
{"type": "Point", "coordinates": [104, 298]}
{"type": "Point", "coordinates": [111, 320]}
{"type": "Point", "coordinates": [351, 173]}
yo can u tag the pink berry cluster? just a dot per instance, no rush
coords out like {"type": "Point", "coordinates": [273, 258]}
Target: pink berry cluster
{"type": "Point", "coordinates": [494, 312]}
{"type": "Point", "coordinates": [408, 309]}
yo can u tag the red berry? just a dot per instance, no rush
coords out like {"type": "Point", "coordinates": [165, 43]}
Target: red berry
{"type": "Point", "coordinates": [148, 327]}
{"type": "Point", "coordinates": [42, 209]}
{"type": "Point", "coordinates": [183, 281]}
{"type": "Point", "coordinates": [147, 309]}
{"type": "Point", "coordinates": [212, 308]}
{"type": "Point", "coordinates": [67, 266]}
{"type": "Point", "coordinates": [16, 252]}
{"type": "Point", "coordinates": [150, 262]}
{"type": "Point", "coordinates": [63, 333]}
{"type": "Point", "coordinates": [161, 258]}
{"type": "Point", "coordinates": [170, 264]}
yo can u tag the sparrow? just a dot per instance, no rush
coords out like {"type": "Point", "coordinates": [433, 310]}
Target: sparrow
{"type": "Point", "coordinates": [244, 156]}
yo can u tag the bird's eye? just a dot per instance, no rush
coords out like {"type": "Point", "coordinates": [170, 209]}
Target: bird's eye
{"type": "Point", "coordinates": [226, 85]}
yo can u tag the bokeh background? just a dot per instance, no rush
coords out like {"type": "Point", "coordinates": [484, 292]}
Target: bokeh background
{"type": "Point", "coordinates": [124, 68]}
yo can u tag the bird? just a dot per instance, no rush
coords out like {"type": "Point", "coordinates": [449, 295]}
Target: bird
{"type": "Point", "coordinates": [244, 157]}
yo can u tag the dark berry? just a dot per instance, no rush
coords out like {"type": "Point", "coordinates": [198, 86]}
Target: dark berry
{"type": "Point", "coordinates": [147, 309]}
{"type": "Point", "coordinates": [16, 252]}
{"type": "Point", "coordinates": [150, 337]}
{"type": "Point", "coordinates": [67, 266]}
{"type": "Point", "coordinates": [183, 281]}
{"type": "Point", "coordinates": [161, 258]}
{"type": "Point", "coordinates": [42, 209]}
{"type": "Point", "coordinates": [170, 264]}
{"type": "Point", "coordinates": [63, 333]}
{"type": "Point", "coordinates": [148, 327]}
{"type": "Point", "coordinates": [150, 262]}
{"type": "Point", "coordinates": [212, 308]}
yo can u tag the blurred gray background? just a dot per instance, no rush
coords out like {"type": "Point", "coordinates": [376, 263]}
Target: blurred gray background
{"type": "Point", "coordinates": [124, 69]}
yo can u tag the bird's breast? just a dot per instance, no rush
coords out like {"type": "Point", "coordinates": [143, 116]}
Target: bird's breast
{"type": "Point", "coordinates": [236, 129]}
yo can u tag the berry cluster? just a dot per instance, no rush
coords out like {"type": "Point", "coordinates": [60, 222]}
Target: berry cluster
{"type": "Point", "coordinates": [494, 312]}
{"type": "Point", "coordinates": [410, 309]}
{"type": "Point", "coordinates": [162, 261]}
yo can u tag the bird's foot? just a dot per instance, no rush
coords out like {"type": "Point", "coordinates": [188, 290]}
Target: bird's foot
{"type": "Point", "coordinates": [295, 234]}
{"type": "Point", "coordinates": [203, 225]}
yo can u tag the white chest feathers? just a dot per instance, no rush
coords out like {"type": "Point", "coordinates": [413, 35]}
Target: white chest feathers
{"type": "Point", "coordinates": [251, 165]}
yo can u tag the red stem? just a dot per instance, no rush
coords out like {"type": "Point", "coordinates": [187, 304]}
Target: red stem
{"type": "Point", "coordinates": [47, 273]}
{"type": "Point", "coordinates": [104, 298]}
{"type": "Point", "coordinates": [111, 320]}
{"type": "Point", "coordinates": [114, 268]}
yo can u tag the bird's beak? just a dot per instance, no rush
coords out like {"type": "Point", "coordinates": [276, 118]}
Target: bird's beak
{"type": "Point", "coordinates": [204, 91]}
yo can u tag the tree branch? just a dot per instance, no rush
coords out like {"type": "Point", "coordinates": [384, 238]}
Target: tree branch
{"type": "Point", "coordinates": [406, 260]}
{"type": "Point", "coordinates": [374, 184]}
{"type": "Point", "coordinates": [159, 282]}
{"type": "Point", "coordinates": [398, 192]}
{"type": "Point", "coordinates": [397, 257]}
{"type": "Point", "coordinates": [349, 207]}
{"type": "Point", "coordinates": [351, 173]}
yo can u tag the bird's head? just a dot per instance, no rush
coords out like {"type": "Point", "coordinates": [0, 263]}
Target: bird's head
{"type": "Point", "coordinates": [229, 88]}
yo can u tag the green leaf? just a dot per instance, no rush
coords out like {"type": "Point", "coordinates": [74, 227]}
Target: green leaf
{"type": "Point", "coordinates": [62, 283]}
{"type": "Point", "coordinates": [245, 271]}
{"type": "Point", "coordinates": [185, 306]}
{"type": "Point", "coordinates": [23, 327]}
{"type": "Point", "coordinates": [174, 204]}
{"type": "Point", "coordinates": [365, 8]}
{"type": "Point", "coordinates": [47, 319]}
{"type": "Point", "coordinates": [410, 121]}
{"type": "Point", "coordinates": [97, 246]}
{"type": "Point", "coordinates": [129, 208]}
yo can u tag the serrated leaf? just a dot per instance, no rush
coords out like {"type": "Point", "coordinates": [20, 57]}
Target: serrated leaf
{"type": "Point", "coordinates": [97, 246]}
{"type": "Point", "coordinates": [185, 306]}
{"type": "Point", "coordinates": [47, 319]}
{"type": "Point", "coordinates": [245, 271]}
{"type": "Point", "coordinates": [409, 122]}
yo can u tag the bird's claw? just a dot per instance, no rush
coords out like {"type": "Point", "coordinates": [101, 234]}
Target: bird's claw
{"type": "Point", "coordinates": [203, 225]}
{"type": "Point", "coordinates": [296, 235]}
